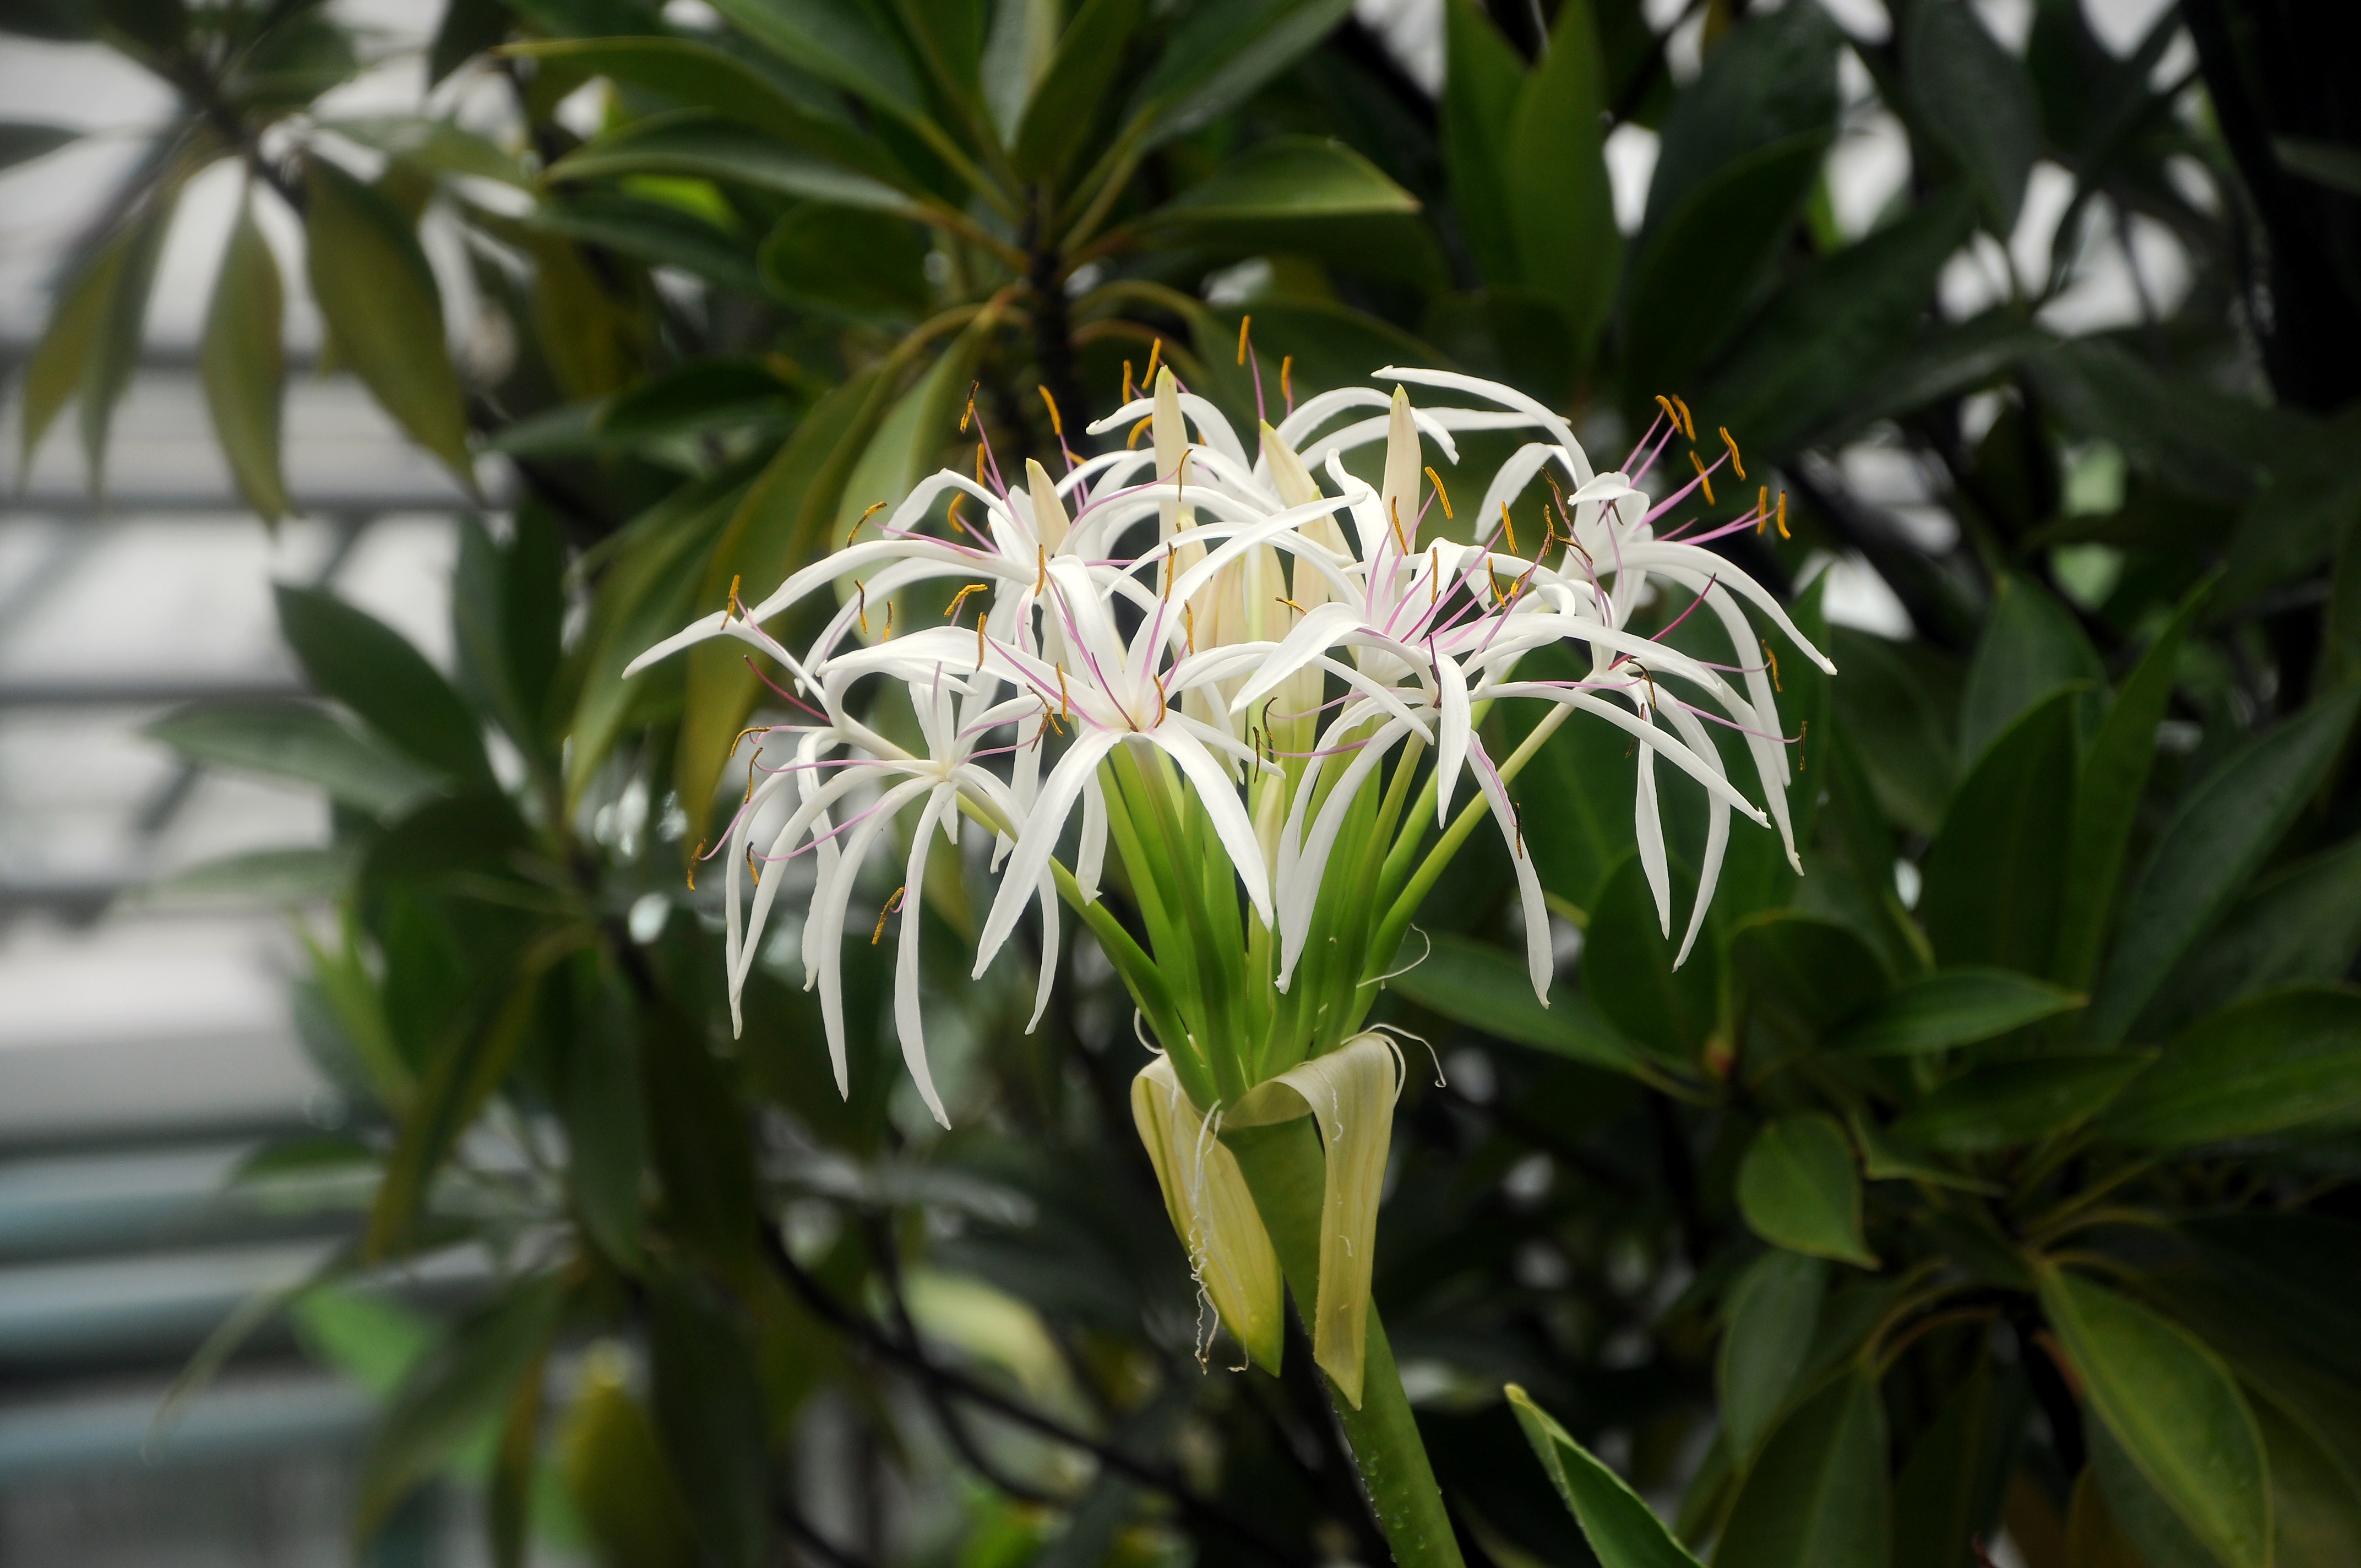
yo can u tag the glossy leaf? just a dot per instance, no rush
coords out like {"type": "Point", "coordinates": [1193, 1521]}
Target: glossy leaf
{"type": "Point", "coordinates": [2106, 797]}
{"type": "Point", "coordinates": [1287, 176]}
{"type": "Point", "coordinates": [656, 232]}
{"type": "Point", "coordinates": [2031, 648]}
{"type": "Point", "coordinates": [1622, 1530]}
{"type": "Point", "coordinates": [1219, 53]}
{"type": "Point", "coordinates": [1470, 983]}
{"type": "Point", "coordinates": [1811, 970]}
{"type": "Point", "coordinates": [1772, 77]}
{"type": "Point", "coordinates": [456, 1389]}
{"type": "Point", "coordinates": [1819, 1492]}
{"type": "Point", "coordinates": [846, 259]}
{"type": "Point", "coordinates": [708, 147]}
{"type": "Point", "coordinates": [2299, 926]}
{"type": "Point", "coordinates": [1627, 967]}
{"type": "Point", "coordinates": [1070, 99]}
{"type": "Point", "coordinates": [1482, 82]}
{"type": "Point", "coordinates": [2011, 1102]}
{"type": "Point", "coordinates": [2270, 1063]}
{"type": "Point", "coordinates": [1979, 101]}
{"type": "Point", "coordinates": [1885, 1158]}
{"type": "Point", "coordinates": [1992, 893]}
{"type": "Point", "coordinates": [1950, 1007]}
{"type": "Point", "coordinates": [244, 368]}
{"type": "Point", "coordinates": [2174, 1408]}
{"type": "Point", "coordinates": [379, 299]}
{"type": "Point", "coordinates": [291, 740]}
{"type": "Point", "coordinates": [2315, 1503]}
{"type": "Point", "coordinates": [1560, 209]}
{"type": "Point", "coordinates": [2221, 834]}
{"type": "Point", "coordinates": [1948, 1494]}
{"type": "Point", "coordinates": [834, 39]}
{"type": "Point", "coordinates": [1798, 1189]}
{"type": "Point", "coordinates": [370, 668]}
{"type": "Point", "coordinates": [1766, 1336]}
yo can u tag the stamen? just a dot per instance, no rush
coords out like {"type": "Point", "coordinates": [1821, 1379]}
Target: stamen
{"type": "Point", "coordinates": [1662, 403]}
{"type": "Point", "coordinates": [1689, 425]}
{"type": "Point", "coordinates": [752, 867]}
{"type": "Point", "coordinates": [1772, 660]}
{"type": "Point", "coordinates": [968, 417]}
{"type": "Point", "coordinates": [1189, 623]}
{"type": "Point", "coordinates": [1155, 353]}
{"type": "Point", "coordinates": [1161, 710]}
{"type": "Point", "coordinates": [1132, 440]}
{"type": "Point", "coordinates": [1041, 564]}
{"type": "Point", "coordinates": [1440, 493]}
{"type": "Point", "coordinates": [1802, 758]}
{"type": "Point", "coordinates": [1126, 384]}
{"type": "Point", "coordinates": [960, 598]}
{"type": "Point", "coordinates": [1245, 322]}
{"type": "Point", "coordinates": [1506, 527]}
{"type": "Point", "coordinates": [757, 757]}
{"type": "Point", "coordinates": [889, 622]}
{"type": "Point", "coordinates": [1286, 380]}
{"type": "Point", "coordinates": [693, 859]}
{"type": "Point", "coordinates": [1704, 478]}
{"type": "Point", "coordinates": [1292, 605]}
{"type": "Point", "coordinates": [1782, 516]}
{"type": "Point", "coordinates": [980, 479]}
{"type": "Point", "coordinates": [1762, 507]}
{"type": "Point", "coordinates": [860, 592]}
{"type": "Point", "coordinates": [1735, 460]}
{"type": "Point", "coordinates": [1057, 426]}
{"type": "Point", "coordinates": [875, 508]}
{"type": "Point", "coordinates": [1394, 507]}
{"type": "Point", "coordinates": [887, 913]}
{"type": "Point", "coordinates": [1065, 698]}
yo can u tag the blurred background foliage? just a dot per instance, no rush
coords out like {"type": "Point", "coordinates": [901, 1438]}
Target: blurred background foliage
{"type": "Point", "coordinates": [1989, 1183]}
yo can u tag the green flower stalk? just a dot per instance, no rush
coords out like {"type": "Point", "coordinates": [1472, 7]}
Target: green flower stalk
{"type": "Point", "coordinates": [1263, 692]}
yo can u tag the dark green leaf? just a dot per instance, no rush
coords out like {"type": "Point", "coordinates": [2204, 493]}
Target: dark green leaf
{"type": "Point", "coordinates": [381, 303]}
{"type": "Point", "coordinates": [1947, 1495]}
{"type": "Point", "coordinates": [367, 665]}
{"type": "Point", "coordinates": [1772, 77]}
{"type": "Point", "coordinates": [158, 27]}
{"type": "Point", "coordinates": [1950, 1007]}
{"type": "Point", "coordinates": [2299, 926]}
{"type": "Point", "coordinates": [1811, 970]}
{"type": "Point", "coordinates": [293, 63]}
{"type": "Point", "coordinates": [244, 368]}
{"type": "Point", "coordinates": [1622, 1530]}
{"type": "Point", "coordinates": [258, 877]}
{"type": "Point", "coordinates": [708, 147]}
{"type": "Point", "coordinates": [1070, 97]}
{"type": "Point", "coordinates": [2221, 836]}
{"type": "Point", "coordinates": [696, 1135]}
{"type": "Point", "coordinates": [436, 146]}
{"type": "Point", "coordinates": [1992, 893]}
{"type": "Point", "coordinates": [616, 1474]}
{"type": "Point", "coordinates": [21, 141]}
{"type": "Point", "coordinates": [1219, 54]}
{"type": "Point", "coordinates": [2106, 797]}
{"type": "Point", "coordinates": [1333, 345]}
{"type": "Point", "coordinates": [1482, 986]}
{"type": "Point", "coordinates": [709, 1417]}
{"type": "Point", "coordinates": [836, 40]}
{"type": "Point", "coordinates": [2306, 505]}
{"type": "Point", "coordinates": [1819, 1493]}
{"type": "Point", "coordinates": [2321, 162]}
{"type": "Point", "coordinates": [467, 835]}
{"type": "Point", "coordinates": [2174, 1408]}
{"type": "Point", "coordinates": [2315, 1505]}
{"type": "Point", "coordinates": [704, 394]}
{"type": "Point", "coordinates": [2031, 648]}
{"type": "Point", "coordinates": [1979, 101]}
{"type": "Point", "coordinates": [1766, 1334]}
{"type": "Point", "coordinates": [1884, 1159]}
{"type": "Point", "coordinates": [1482, 82]}
{"type": "Point", "coordinates": [468, 27]}
{"type": "Point", "coordinates": [126, 270]}
{"type": "Point", "coordinates": [457, 1387]}
{"type": "Point", "coordinates": [1798, 1189]}
{"type": "Point", "coordinates": [2190, 435]}
{"type": "Point", "coordinates": [2005, 1103]}
{"type": "Point", "coordinates": [1627, 967]}
{"type": "Point", "coordinates": [597, 1102]}
{"type": "Point", "coordinates": [1287, 176]}
{"type": "Point", "coordinates": [1561, 208]}
{"type": "Point", "coordinates": [846, 259]}
{"type": "Point", "coordinates": [2275, 1061]}
{"type": "Point", "coordinates": [656, 232]}
{"type": "Point", "coordinates": [1896, 704]}
{"type": "Point", "coordinates": [295, 741]}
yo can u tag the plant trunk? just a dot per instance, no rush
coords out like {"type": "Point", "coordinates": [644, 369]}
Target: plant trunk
{"type": "Point", "coordinates": [1284, 1169]}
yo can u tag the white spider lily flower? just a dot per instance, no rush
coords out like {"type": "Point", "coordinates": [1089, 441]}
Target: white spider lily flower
{"type": "Point", "coordinates": [1266, 710]}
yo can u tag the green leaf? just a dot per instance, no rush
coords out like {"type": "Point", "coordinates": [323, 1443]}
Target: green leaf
{"type": "Point", "coordinates": [1809, 970]}
{"type": "Point", "coordinates": [1700, 271]}
{"type": "Point", "coordinates": [2174, 1408]}
{"type": "Point", "coordinates": [2270, 1063]}
{"type": "Point", "coordinates": [1798, 1189]}
{"type": "Point", "coordinates": [1482, 85]}
{"type": "Point", "coordinates": [1897, 704]}
{"type": "Point", "coordinates": [709, 1419]}
{"type": "Point", "coordinates": [2031, 648]}
{"type": "Point", "coordinates": [1482, 986]}
{"type": "Point", "coordinates": [703, 395]}
{"type": "Point", "coordinates": [22, 141]}
{"type": "Point", "coordinates": [54, 370]}
{"type": "Point", "coordinates": [598, 1103]}
{"type": "Point", "coordinates": [1978, 99]}
{"type": "Point", "coordinates": [1799, 366]}
{"type": "Point", "coordinates": [2328, 163]}
{"type": "Point", "coordinates": [373, 1339]}
{"type": "Point", "coordinates": [1072, 97]}
{"type": "Point", "coordinates": [453, 1391]}
{"type": "Point", "coordinates": [1622, 1530]}
{"type": "Point", "coordinates": [1766, 1336]}
{"type": "Point", "coordinates": [1991, 891]}
{"type": "Point", "coordinates": [1882, 1158]}
{"type": "Point", "coordinates": [1949, 1493]}
{"type": "Point", "coordinates": [2189, 434]}
{"type": "Point", "coordinates": [244, 368]}
{"type": "Point", "coordinates": [656, 232]}
{"type": "Point", "coordinates": [708, 147]}
{"type": "Point", "coordinates": [2106, 798]}
{"type": "Point", "coordinates": [1333, 345]}
{"type": "Point", "coordinates": [1220, 52]}
{"type": "Point", "coordinates": [294, 740]}
{"type": "Point", "coordinates": [2315, 1505]}
{"type": "Point", "coordinates": [2006, 1103]}
{"type": "Point", "coordinates": [468, 27]}
{"type": "Point", "coordinates": [615, 1471]}
{"type": "Point", "coordinates": [506, 607]}
{"type": "Point", "coordinates": [258, 876]}
{"type": "Point", "coordinates": [380, 303]}
{"type": "Point", "coordinates": [1627, 967]}
{"type": "Point", "coordinates": [836, 40]}
{"type": "Point", "coordinates": [2299, 926]}
{"type": "Point", "coordinates": [845, 260]}
{"type": "Point", "coordinates": [1772, 77]}
{"type": "Point", "coordinates": [1817, 1495]}
{"type": "Point", "coordinates": [126, 271]}
{"type": "Point", "coordinates": [2304, 508]}
{"type": "Point", "coordinates": [2221, 836]}
{"type": "Point", "coordinates": [369, 667]}
{"type": "Point", "coordinates": [1308, 178]}
{"type": "Point", "coordinates": [1561, 208]}
{"type": "Point", "coordinates": [436, 146]}
{"type": "Point", "coordinates": [1950, 1007]}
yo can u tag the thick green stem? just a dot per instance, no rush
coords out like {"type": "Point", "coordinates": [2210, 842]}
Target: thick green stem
{"type": "Point", "coordinates": [1284, 1169]}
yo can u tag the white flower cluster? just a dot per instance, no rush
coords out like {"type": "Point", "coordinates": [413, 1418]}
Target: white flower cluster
{"type": "Point", "coordinates": [1272, 625]}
